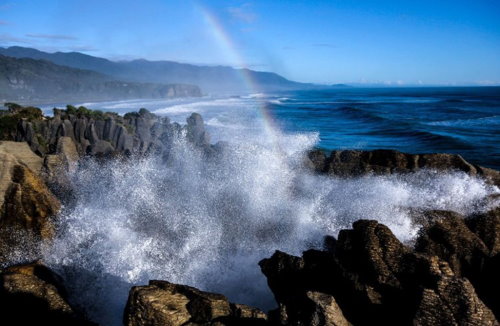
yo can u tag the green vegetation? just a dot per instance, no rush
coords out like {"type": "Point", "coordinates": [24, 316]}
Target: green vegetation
{"type": "Point", "coordinates": [42, 142]}
{"type": "Point", "coordinates": [11, 117]}
{"type": "Point", "coordinates": [12, 106]}
{"type": "Point", "coordinates": [130, 129]}
{"type": "Point", "coordinates": [8, 126]}
{"type": "Point", "coordinates": [83, 112]}
{"type": "Point", "coordinates": [130, 115]}
{"type": "Point", "coordinates": [143, 111]}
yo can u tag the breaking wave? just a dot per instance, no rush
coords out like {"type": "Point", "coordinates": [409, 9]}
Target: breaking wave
{"type": "Point", "coordinates": [207, 222]}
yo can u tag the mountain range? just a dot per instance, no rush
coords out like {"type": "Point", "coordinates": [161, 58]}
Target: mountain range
{"type": "Point", "coordinates": [27, 80]}
{"type": "Point", "coordinates": [87, 74]}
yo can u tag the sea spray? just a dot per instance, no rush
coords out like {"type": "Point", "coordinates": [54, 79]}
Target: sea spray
{"type": "Point", "coordinates": [206, 222]}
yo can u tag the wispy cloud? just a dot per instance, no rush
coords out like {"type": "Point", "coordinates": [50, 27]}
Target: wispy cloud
{"type": "Point", "coordinates": [257, 65]}
{"type": "Point", "coordinates": [3, 22]}
{"type": "Point", "coordinates": [82, 48]}
{"type": "Point", "coordinates": [243, 13]}
{"type": "Point", "coordinates": [487, 83]}
{"type": "Point", "coordinates": [287, 47]}
{"type": "Point", "coordinates": [53, 36]}
{"type": "Point", "coordinates": [7, 38]}
{"type": "Point", "coordinates": [324, 45]}
{"type": "Point", "coordinates": [5, 6]}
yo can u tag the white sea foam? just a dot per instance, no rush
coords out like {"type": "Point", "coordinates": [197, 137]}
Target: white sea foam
{"type": "Point", "coordinates": [208, 223]}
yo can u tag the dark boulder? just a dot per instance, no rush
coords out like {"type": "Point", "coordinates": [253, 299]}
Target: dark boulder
{"type": "Point", "coordinates": [349, 163]}
{"type": "Point", "coordinates": [471, 248]}
{"type": "Point", "coordinates": [368, 277]}
{"type": "Point", "coordinates": [32, 294]}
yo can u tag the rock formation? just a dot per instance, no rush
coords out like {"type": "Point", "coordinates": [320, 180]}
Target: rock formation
{"type": "Point", "coordinates": [368, 277]}
{"type": "Point", "coordinates": [32, 294]}
{"type": "Point", "coordinates": [167, 304]}
{"type": "Point", "coordinates": [348, 163]}
{"type": "Point", "coordinates": [26, 204]}
{"type": "Point", "coordinates": [471, 247]}
{"type": "Point", "coordinates": [97, 133]}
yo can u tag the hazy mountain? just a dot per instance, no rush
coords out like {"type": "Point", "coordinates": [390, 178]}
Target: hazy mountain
{"type": "Point", "coordinates": [29, 80]}
{"type": "Point", "coordinates": [215, 79]}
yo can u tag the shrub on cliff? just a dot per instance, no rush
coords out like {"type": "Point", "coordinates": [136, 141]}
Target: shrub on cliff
{"type": "Point", "coordinates": [11, 117]}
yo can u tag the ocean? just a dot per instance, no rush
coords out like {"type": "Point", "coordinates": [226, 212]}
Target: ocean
{"type": "Point", "coordinates": [207, 224]}
{"type": "Point", "coordinates": [461, 120]}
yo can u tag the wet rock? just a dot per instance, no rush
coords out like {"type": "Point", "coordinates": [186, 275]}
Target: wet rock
{"type": "Point", "coordinates": [470, 246]}
{"type": "Point", "coordinates": [318, 160]}
{"type": "Point", "coordinates": [450, 239]}
{"type": "Point", "coordinates": [348, 163]}
{"type": "Point", "coordinates": [196, 130]}
{"type": "Point", "coordinates": [32, 294]}
{"type": "Point", "coordinates": [101, 147]}
{"type": "Point", "coordinates": [164, 303]}
{"type": "Point", "coordinates": [368, 277]}
{"type": "Point", "coordinates": [326, 311]}
{"type": "Point", "coordinates": [58, 166]}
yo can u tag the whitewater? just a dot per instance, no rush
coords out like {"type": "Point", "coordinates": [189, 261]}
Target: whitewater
{"type": "Point", "coordinates": [207, 223]}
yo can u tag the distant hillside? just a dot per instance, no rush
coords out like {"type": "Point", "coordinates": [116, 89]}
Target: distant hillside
{"type": "Point", "coordinates": [210, 79]}
{"type": "Point", "coordinates": [29, 80]}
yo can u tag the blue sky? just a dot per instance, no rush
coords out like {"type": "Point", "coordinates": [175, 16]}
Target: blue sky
{"type": "Point", "coordinates": [338, 41]}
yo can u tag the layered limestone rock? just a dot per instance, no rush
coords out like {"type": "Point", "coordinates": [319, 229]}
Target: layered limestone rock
{"type": "Point", "coordinates": [368, 277]}
{"type": "Point", "coordinates": [167, 304]}
{"type": "Point", "coordinates": [348, 163]}
{"type": "Point", "coordinates": [32, 294]}
{"type": "Point", "coordinates": [26, 204]}
{"type": "Point", "coordinates": [471, 247]}
{"type": "Point", "coordinates": [97, 133]}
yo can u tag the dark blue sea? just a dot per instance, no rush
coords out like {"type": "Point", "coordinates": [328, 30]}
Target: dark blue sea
{"type": "Point", "coordinates": [462, 120]}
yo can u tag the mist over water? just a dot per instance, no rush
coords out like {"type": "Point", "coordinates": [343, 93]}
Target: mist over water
{"type": "Point", "coordinates": [207, 223]}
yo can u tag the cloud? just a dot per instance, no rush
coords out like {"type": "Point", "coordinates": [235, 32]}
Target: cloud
{"type": "Point", "coordinates": [5, 6]}
{"type": "Point", "coordinates": [243, 13]}
{"type": "Point", "coordinates": [53, 36]}
{"type": "Point", "coordinates": [7, 38]}
{"type": "Point", "coordinates": [256, 65]}
{"type": "Point", "coordinates": [487, 83]}
{"type": "Point", "coordinates": [287, 47]}
{"type": "Point", "coordinates": [324, 45]}
{"type": "Point", "coordinates": [3, 22]}
{"type": "Point", "coordinates": [82, 48]}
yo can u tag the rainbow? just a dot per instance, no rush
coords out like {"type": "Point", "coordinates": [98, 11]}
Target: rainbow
{"type": "Point", "coordinates": [227, 45]}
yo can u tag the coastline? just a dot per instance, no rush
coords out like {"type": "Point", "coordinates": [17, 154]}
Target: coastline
{"type": "Point", "coordinates": [367, 257]}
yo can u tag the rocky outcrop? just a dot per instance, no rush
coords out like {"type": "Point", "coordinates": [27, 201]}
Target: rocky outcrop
{"type": "Point", "coordinates": [167, 304]}
{"type": "Point", "coordinates": [368, 277]}
{"type": "Point", "coordinates": [32, 294]}
{"type": "Point", "coordinates": [26, 204]}
{"type": "Point", "coordinates": [97, 133]}
{"type": "Point", "coordinates": [348, 163]}
{"type": "Point", "coordinates": [471, 247]}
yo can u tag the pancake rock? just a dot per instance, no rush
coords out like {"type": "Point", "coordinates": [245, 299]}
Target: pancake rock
{"type": "Point", "coordinates": [368, 277]}
{"type": "Point", "coordinates": [471, 247]}
{"type": "Point", "coordinates": [167, 304]}
{"type": "Point", "coordinates": [97, 133]}
{"type": "Point", "coordinates": [26, 204]}
{"type": "Point", "coordinates": [349, 163]}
